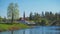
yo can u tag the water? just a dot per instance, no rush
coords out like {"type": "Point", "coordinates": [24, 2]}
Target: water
{"type": "Point", "coordinates": [36, 30]}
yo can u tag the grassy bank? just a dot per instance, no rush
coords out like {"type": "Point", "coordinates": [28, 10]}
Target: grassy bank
{"type": "Point", "coordinates": [4, 27]}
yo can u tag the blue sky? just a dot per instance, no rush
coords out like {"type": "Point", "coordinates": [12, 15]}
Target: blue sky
{"type": "Point", "coordinates": [30, 6]}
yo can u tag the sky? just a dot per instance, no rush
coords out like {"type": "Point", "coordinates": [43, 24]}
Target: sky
{"type": "Point", "coordinates": [30, 6]}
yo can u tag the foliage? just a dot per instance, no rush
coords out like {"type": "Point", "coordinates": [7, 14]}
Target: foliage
{"type": "Point", "coordinates": [31, 16]}
{"type": "Point", "coordinates": [1, 19]}
{"type": "Point", "coordinates": [36, 17]}
{"type": "Point", "coordinates": [24, 15]}
{"type": "Point", "coordinates": [45, 19]}
{"type": "Point", "coordinates": [13, 12]}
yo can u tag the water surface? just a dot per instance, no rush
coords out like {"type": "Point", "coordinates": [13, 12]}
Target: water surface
{"type": "Point", "coordinates": [36, 30]}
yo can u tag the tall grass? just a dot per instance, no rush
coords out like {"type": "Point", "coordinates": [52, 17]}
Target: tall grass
{"type": "Point", "coordinates": [15, 26]}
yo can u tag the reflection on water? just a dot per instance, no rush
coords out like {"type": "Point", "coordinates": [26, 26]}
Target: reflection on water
{"type": "Point", "coordinates": [36, 30]}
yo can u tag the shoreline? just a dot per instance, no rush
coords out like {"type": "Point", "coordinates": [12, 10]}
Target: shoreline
{"type": "Point", "coordinates": [9, 27]}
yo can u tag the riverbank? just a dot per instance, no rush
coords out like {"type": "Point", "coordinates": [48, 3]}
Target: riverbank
{"type": "Point", "coordinates": [14, 26]}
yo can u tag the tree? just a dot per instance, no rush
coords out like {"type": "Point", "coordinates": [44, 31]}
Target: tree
{"type": "Point", "coordinates": [51, 16]}
{"type": "Point", "coordinates": [24, 16]}
{"type": "Point", "coordinates": [43, 14]}
{"type": "Point", "coordinates": [47, 15]}
{"type": "Point", "coordinates": [57, 16]}
{"type": "Point", "coordinates": [31, 16]}
{"type": "Point", "coordinates": [16, 13]}
{"type": "Point", "coordinates": [36, 17]}
{"type": "Point", "coordinates": [43, 22]}
{"type": "Point", "coordinates": [4, 19]}
{"type": "Point", "coordinates": [13, 12]}
{"type": "Point", "coordinates": [1, 19]}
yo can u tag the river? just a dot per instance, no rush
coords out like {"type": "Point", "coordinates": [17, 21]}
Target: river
{"type": "Point", "coordinates": [36, 30]}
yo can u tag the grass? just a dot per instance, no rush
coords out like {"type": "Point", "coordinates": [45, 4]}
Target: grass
{"type": "Point", "coordinates": [14, 26]}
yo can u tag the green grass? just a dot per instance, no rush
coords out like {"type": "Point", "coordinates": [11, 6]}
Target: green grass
{"type": "Point", "coordinates": [15, 26]}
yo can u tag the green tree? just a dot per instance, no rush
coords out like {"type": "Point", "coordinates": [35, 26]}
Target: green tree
{"type": "Point", "coordinates": [51, 16]}
{"type": "Point", "coordinates": [36, 18]}
{"type": "Point", "coordinates": [13, 12]}
{"type": "Point", "coordinates": [43, 22]}
{"type": "Point", "coordinates": [24, 15]}
{"type": "Point", "coordinates": [0, 19]}
{"type": "Point", "coordinates": [4, 19]}
{"type": "Point", "coordinates": [42, 14]}
{"type": "Point", "coordinates": [16, 11]}
{"type": "Point", "coordinates": [57, 16]}
{"type": "Point", "coordinates": [31, 16]}
{"type": "Point", "coordinates": [47, 15]}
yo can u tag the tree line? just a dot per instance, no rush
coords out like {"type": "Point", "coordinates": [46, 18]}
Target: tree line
{"type": "Point", "coordinates": [44, 18]}
{"type": "Point", "coordinates": [40, 19]}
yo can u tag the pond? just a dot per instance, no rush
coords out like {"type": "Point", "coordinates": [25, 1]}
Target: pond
{"type": "Point", "coordinates": [36, 30]}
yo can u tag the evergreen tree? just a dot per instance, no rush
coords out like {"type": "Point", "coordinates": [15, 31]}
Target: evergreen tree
{"type": "Point", "coordinates": [31, 16]}
{"type": "Point", "coordinates": [24, 15]}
